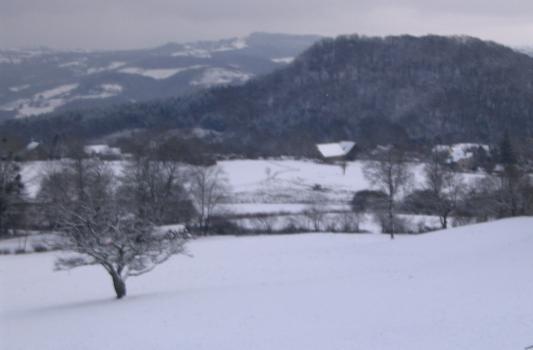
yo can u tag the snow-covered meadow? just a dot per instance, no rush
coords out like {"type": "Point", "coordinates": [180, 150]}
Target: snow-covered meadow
{"type": "Point", "coordinates": [281, 189]}
{"type": "Point", "coordinates": [465, 288]}
{"type": "Point", "coordinates": [261, 181]}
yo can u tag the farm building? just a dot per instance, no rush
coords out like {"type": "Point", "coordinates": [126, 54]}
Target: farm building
{"type": "Point", "coordinates": [337, 151]}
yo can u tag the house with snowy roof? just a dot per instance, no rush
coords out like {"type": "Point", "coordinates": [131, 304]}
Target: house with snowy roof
{"type": "Point", "coordinates": [102, 151]}
{"type": "Point", "coordinates": [462, 155]}
{"type": "Point", "coordinates": [33, 151]}
{"type": "Point", "coordinates": [336, 151]}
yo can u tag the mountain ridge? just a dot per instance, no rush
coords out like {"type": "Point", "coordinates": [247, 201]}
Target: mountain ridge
{"type": "Point", "coordinates": [396, 89]}
{"type": "Point", "coordinates": [41, 80]}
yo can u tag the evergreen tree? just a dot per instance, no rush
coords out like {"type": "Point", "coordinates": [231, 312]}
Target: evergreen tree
{"type": "Point", "coordinates": [11, 189]}
{"type": "Point", "coordinates": [507, 152]}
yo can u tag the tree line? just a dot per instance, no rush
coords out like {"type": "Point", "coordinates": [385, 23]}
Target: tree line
{"type": "Point", "coordinates": [114, 214]}
{"type": "Point", "coordinates": [123, 215]}
{"type": "Point", "coordinates": [444, 193]}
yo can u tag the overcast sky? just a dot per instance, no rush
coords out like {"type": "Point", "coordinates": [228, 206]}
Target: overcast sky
{"type": "Point", "coordinates": [122, 24]}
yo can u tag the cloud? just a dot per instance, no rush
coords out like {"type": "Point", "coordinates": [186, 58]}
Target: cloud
{"type": "Point", "coordinates": [140, 23]}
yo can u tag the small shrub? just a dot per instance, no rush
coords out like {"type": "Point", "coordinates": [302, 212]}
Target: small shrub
{"type": "Point", "coordinates": [317, 187]}
{"type": "Point", "coordinates": [20, 251]}
{"type": "Point", "coordinates": [5, 251]}
{"type": "Point", "coordinates": [368, 200]}
{"type": "Point", "coordinates": [350, 222]}
{"type": "Point", "coordinates": [423, 228]}
{"type": "Point", "coordinates": [222, 226]}
{"type": "Point", "coordinates": [39, 248]}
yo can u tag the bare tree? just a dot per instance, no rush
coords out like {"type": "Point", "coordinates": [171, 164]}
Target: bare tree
{"type": "Point", "coordinates": [389, 173]}
{"type": "Point", "coordinates": [99, 230]}
{"type": "Point", "coordinates": [154, 190]}
{"type": "Point", "coordinates": [350, 221]}
{"type": "Point", "coordinates": [208, 188]}
{"type": "Point", "coordinates": [315, 213]}
{"type": "Point", "coordinates": [444, 186]}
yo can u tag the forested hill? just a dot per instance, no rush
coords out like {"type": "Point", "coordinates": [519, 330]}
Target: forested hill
{"type": "Point", "coordinates": [372, 90]}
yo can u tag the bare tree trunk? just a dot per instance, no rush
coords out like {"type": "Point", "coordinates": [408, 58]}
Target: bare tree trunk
{"type": "Point", "coordinates": [391, 227]}
{"type": "Point", "coordinates": [119, 285]}
{"type": "Point", "coordinates": [444, 221]}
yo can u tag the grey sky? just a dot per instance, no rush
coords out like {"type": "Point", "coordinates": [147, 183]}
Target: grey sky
{"type": "Point", "coordinates": [120, 24]}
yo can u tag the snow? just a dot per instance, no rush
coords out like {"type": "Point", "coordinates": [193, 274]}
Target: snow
{"type": "Point", "coordinates": [460, 151]}
{"type": "Point", "coordinates": [292, 181]}
{"type": "Point", "coordinates": [221, 76]}
{"type": "Point", "coordinates": [338, 149]}
{"type": "Point", "coordinates": [49, 100]}
{"type": "Point", "coordinates": [285, 60]}
{"type": "Point", "coordinates": [58, 91]}
{"type": "Point", "coordinates": [43, 102]}
{"type": "Point", "coordinates": [240, 43]}
{"type": "Point", "coordinates": [235, 44]}
{"type": "Point", "coordinates": [158, 74]}
{"type": "Point", "coordinates": [103, 91]}
{"type": "Point", "coordinates": [200, 50]}
{"type": "Point", "coordinates": [32, 145]}
{"type": "Point", "coordinates": [275, 208]}
{"type": "Point", "coordinates": [274, 181]}
{"type": "Point", "coordinates": [10, 60]}
{"type": "Point", "coordinates": [19, 88]}
{"type": "Point", "coordinates": [72, 64]}
{"type": "Point", "coordinates": [32, 173]}
{"type": "Point", "coordinates": [192, 52]}
{"type": "Point", "coordinates": [466, 288]}
{"type": "Point", "coordinates": [34, 108]}
{"type": "Point", "coordinates": [28, 243]}
{"type": "Point", "coordinates": [102, 150]}
{"type": "Point", "coordinates": [112, 88]}
{"type": "Point", "coordinates": [112, 66]}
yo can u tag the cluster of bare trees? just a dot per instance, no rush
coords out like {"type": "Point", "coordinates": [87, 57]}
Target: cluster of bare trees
{"type": "Point", "coordinates": [441, 193]}
{"type": "Point", "coordinates": [112, 217]}
{"type": "Point", "coordinates": [208, 187]}
{"type": "Point", "coordinates": [506, 192]}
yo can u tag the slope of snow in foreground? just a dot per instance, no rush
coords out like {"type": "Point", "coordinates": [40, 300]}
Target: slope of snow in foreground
{"type": "Point", "coordinates": [466, 288]}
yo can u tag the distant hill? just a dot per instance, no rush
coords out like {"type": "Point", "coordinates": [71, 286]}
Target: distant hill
{"type": "Point", "coordinates": [528, 50]}
{"type": "Point", "coordinates": [399, 89]}
{"type": "Point", "coordinates": [37, 81]}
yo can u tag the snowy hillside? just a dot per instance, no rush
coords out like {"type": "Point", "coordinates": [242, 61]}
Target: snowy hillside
{"type": "Point", "coordinates": [466, 288]}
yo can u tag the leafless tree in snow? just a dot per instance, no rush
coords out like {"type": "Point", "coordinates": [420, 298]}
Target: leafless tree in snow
{"type": "Point", "coordinates": [445, 187]}
{"type": "Point", "coordinates": [97, 229]}
{"type": "Point", "coordinates": [390, 173]}
{"type": "Point", "coordinates": [315, 212]}
{"type": "Point", "coordinates": [154, 190]}
{"type": "Point", "coordinates": [208, 187]}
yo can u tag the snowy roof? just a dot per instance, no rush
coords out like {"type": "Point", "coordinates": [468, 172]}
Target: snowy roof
{"type": "Point", "coordinates": [460, 151]}
{"type": "Point", "coordinates": [32, 145]}
{"type": "Point", "coordinates": [102, 149]}
{"type": "Point", "coordinates": [337, 149]}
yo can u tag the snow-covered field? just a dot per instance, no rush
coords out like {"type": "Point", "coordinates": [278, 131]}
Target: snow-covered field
{"type": "Point", "coordinates": [466, 288]}
{"type": "Point", "coordinates": [159, 74]}
{"type": "Point", "coordinates": [261, 181]}
{"type": "Point", "coordinates": [292, 181]}
{"type": "Point", "coordinates": [279, 187]}
{"type": "Point", "coordinates": [221, 76]}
